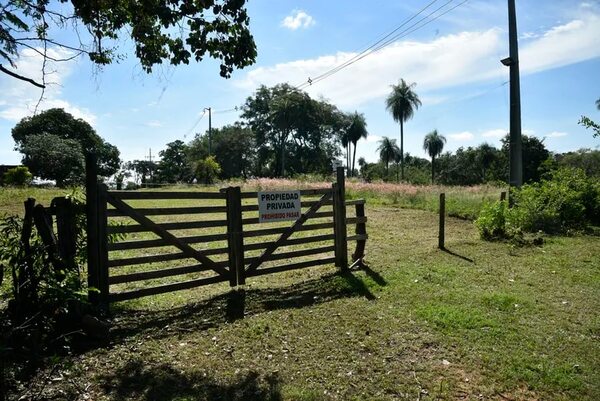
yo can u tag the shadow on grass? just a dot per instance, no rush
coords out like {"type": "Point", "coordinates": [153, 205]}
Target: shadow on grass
{"type": "Point", "coordinates": [162, 382]}
{"type": "Point", "coordinates": [234, 305]}
{"type": "Point", "coordinates": [448, 251]}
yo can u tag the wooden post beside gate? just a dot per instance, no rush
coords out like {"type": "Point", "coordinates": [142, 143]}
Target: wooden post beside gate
{"type": "Point", "coordinates": [235, 238]}
{"type": "Point", "coordinates": [339, 220]}
{"type": "Point", "coordinates": [91, 211]}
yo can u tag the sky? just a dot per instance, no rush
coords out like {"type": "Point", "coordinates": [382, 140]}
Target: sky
{"type": "Point", "coordinates": [453, 60]}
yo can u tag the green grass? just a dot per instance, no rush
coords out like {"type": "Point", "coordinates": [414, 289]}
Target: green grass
{"type": "Point", "coordinates": [482, 321]}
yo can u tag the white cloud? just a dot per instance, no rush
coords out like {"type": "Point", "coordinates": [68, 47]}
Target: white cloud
{"type": "Point", "coordinates": [556, 134]}
{"type": "Point", "coordinates": [494, 133]}
{"type": "Point", "coordinates": [18, 99]}
{"type": "Point", "coordinates": [443, 62]}
{"type": "Point", "coordinates": [154, 124]}
{"type": "Point", "coordinates": [298, 19]}
{"type": "Point", "coordinates": [373, 138]}
{"type": "Point", "coordinates": [462, 136]}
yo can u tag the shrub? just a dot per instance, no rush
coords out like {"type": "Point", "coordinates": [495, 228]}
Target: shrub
{"type": "Point", "coordinates": [18, 177]}
{"type": "Point", "coordinates": [207, 170]}
{"type": "Point", "coordinates": [492, 220]}
{"type": "Point", "coordinates": [567, 200]}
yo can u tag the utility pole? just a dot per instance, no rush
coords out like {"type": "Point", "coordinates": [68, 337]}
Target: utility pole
{"type": "Point", "coordinates": [515, 149]}
{"type": "Point", "coordinates": [209, 128]}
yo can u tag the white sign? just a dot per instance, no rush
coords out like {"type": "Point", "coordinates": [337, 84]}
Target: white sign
{"type": "Point", "coordinates": [278, 206]}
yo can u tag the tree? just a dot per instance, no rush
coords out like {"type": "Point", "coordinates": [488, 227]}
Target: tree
{"type": "Point", "coordinates": [356, 130]}
{"type": "Point", "coordinates": [290, 126]}
{"type": "Point", "coordinates": [388, 149]}
{"type": "Point", "coordinates": [63, 125]}
{"type": "Point", "coordinates": [487, 154]}
{"type": "Point", "coordinates": [207, 170]}
{"type": "Point", "coordinates": [51, 157]}
{"type": "Point", "coordinates": [233, 147]}
{"type": "Point", "coordinates": [143, 169]}
{"type": "Point", "coordinates": [534, 155]}
{"type": "Point", "coordinates": [18, 177]}
{"type": "Point", "coordinates": [402, 103]}
{"type": "Point", "coordinates": [433, 145]}
{"type": "Point", "coordinates": [173, 166]}
{"type": "Point", "coordinates": [174, 31]}
{"type": "Point", "coordinates": [589, 124]}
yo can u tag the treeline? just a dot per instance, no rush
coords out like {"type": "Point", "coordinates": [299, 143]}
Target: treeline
{"type": "Point", "coordinates": [282, 132]}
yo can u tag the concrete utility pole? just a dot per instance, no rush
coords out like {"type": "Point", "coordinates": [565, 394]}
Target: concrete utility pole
{"type": "Point", "coordinates": [515, 149]}
{"type": "Point", "coordinates": [209, 128]}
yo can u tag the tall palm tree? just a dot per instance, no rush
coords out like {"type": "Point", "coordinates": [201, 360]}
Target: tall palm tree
{"type": "Point", "coordinates": [402, 103]}
{"type": "Point", "coordinates": [356, 130]}
{"type": "Point", "coordinates": [346, 145]}
{"type": "Point", "coordinates": [388, 149]}
{"type": "Point", "coordinates": [433, 144]}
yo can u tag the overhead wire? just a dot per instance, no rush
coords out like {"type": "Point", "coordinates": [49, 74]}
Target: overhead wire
{"type": "Point", "coordinates": [342, 65]}
{"type": "Point", "coordinates": [412, 28]}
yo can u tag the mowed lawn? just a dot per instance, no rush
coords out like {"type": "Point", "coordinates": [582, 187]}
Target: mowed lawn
{"type": "Point", "coordinates": [483, 321]}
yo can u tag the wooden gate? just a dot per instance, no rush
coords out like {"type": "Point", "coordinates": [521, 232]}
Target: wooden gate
{"type": "Point", "coordinates": [215, 238]}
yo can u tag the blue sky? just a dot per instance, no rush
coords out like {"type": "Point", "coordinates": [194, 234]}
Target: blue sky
{"type": "Point", "coordinates": [454, 61]}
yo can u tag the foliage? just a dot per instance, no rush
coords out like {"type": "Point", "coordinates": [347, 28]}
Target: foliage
{"type": "Point", "coordinates": [534, 155]}
{"type": "Point", "coordinates": [292, 131]}
{"type": "Point", "coordinates": [492, 220]}
{"type": "Point", "coordinates": [233, 147]}
{"type": "Point", "coordinates": [162, 31]}
{"type": "Point", "coordinates": [567, 200]}
{"type": "Point", "coordinates": [357, 129]}
{"type": "Point", "coordinates": [51, 157]}
{"type": "Point", "coordinates": [388, 150]}
{"type": "Point", "coordinates": [207, 170]}
{"type": "Point", "coordinates": [433, 144]}
{"type": "Point", "coordinates": [586, 159]}
{"type": "Point", "coordinates": [68, 130]}
{"type": "Point", "coordinates": [144, 170]}
{"type": "Point", "coordinates": [173, 166]}
{"type": "Point", "coordinates": [588, 123]}
{"type": "Point", "coordinates": [402, 103]}
{"type": "Point", "coordinates": [18, 177]}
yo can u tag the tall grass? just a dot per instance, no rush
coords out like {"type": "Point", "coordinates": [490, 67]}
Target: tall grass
{"type": "Point", "coordinates": [461, 201]}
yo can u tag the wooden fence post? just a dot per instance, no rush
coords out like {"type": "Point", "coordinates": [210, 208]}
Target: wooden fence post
{"type": "Point", "coordinates": [66, 230]}
{"type": "Point", "coordinates": [441, 233]}
{"type": "Point", "coordinates": [339, 220]}
{"type": "Point", "coordinates": [235, 238]}
{"type": "Point", "coordinates": [102, 246]}
{"type": "Point", "coordinates": [91, 209]}
{"type": "Point", "coordinates": [361, 229]}
{"type": "Point", "coordinates": [502, 196]}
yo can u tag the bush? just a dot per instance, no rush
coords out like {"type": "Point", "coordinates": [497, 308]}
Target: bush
{"type": "Point", "coordinates": [207, 170]}
{"type": "Point", "coordinates": [18, 177]}
{"type": "Point", "coordinates": [565, 201]}
{"type": "Point", "coordinates": [492, 220]}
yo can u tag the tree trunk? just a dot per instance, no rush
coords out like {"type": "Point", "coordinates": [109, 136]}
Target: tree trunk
{"type": "Point", "coordinates": [432, 168]}
{"type": "Point", "coordinates": [353, 159]}
{"type": "Point", "coordinates": [348, 159]}
{"type": "Point", "coordinates": [402, 148]}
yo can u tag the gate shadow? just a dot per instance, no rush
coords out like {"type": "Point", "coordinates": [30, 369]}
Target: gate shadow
{"type": "Point", "coordinates": [234, 305]}
{"type": "Point", "coordinates": [163, 382]}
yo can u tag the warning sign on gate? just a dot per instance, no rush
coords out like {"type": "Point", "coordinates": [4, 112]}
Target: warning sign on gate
{"type": "Point", "coordinates": [279, 206]}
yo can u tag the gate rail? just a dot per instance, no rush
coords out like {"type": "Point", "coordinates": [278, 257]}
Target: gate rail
{"type": "Point", "coordinates": [238, 258]}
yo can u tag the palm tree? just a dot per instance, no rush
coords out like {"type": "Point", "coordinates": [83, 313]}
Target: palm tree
{"type": "Point", "coordinates": [402, 103]}
{"type": "Point", "coordinates": [388, 149]}
{"type": "Point", "coordinates": [356, 130]}
{"type": "Point", "coordinates": [433, 144]}
{"type": "Point", "coordinates": [346, 145]}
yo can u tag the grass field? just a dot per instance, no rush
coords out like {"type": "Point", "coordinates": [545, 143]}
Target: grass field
{"type": "Point", "coordinates": [481, 321]}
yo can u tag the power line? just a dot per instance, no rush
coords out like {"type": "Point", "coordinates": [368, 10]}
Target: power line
{"type": "Point", "coordinates": [195, 124]}
{"type": "Point", "coordinates": [342, 65]}
{"type": "Point", "coordinates": [412, 28]}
